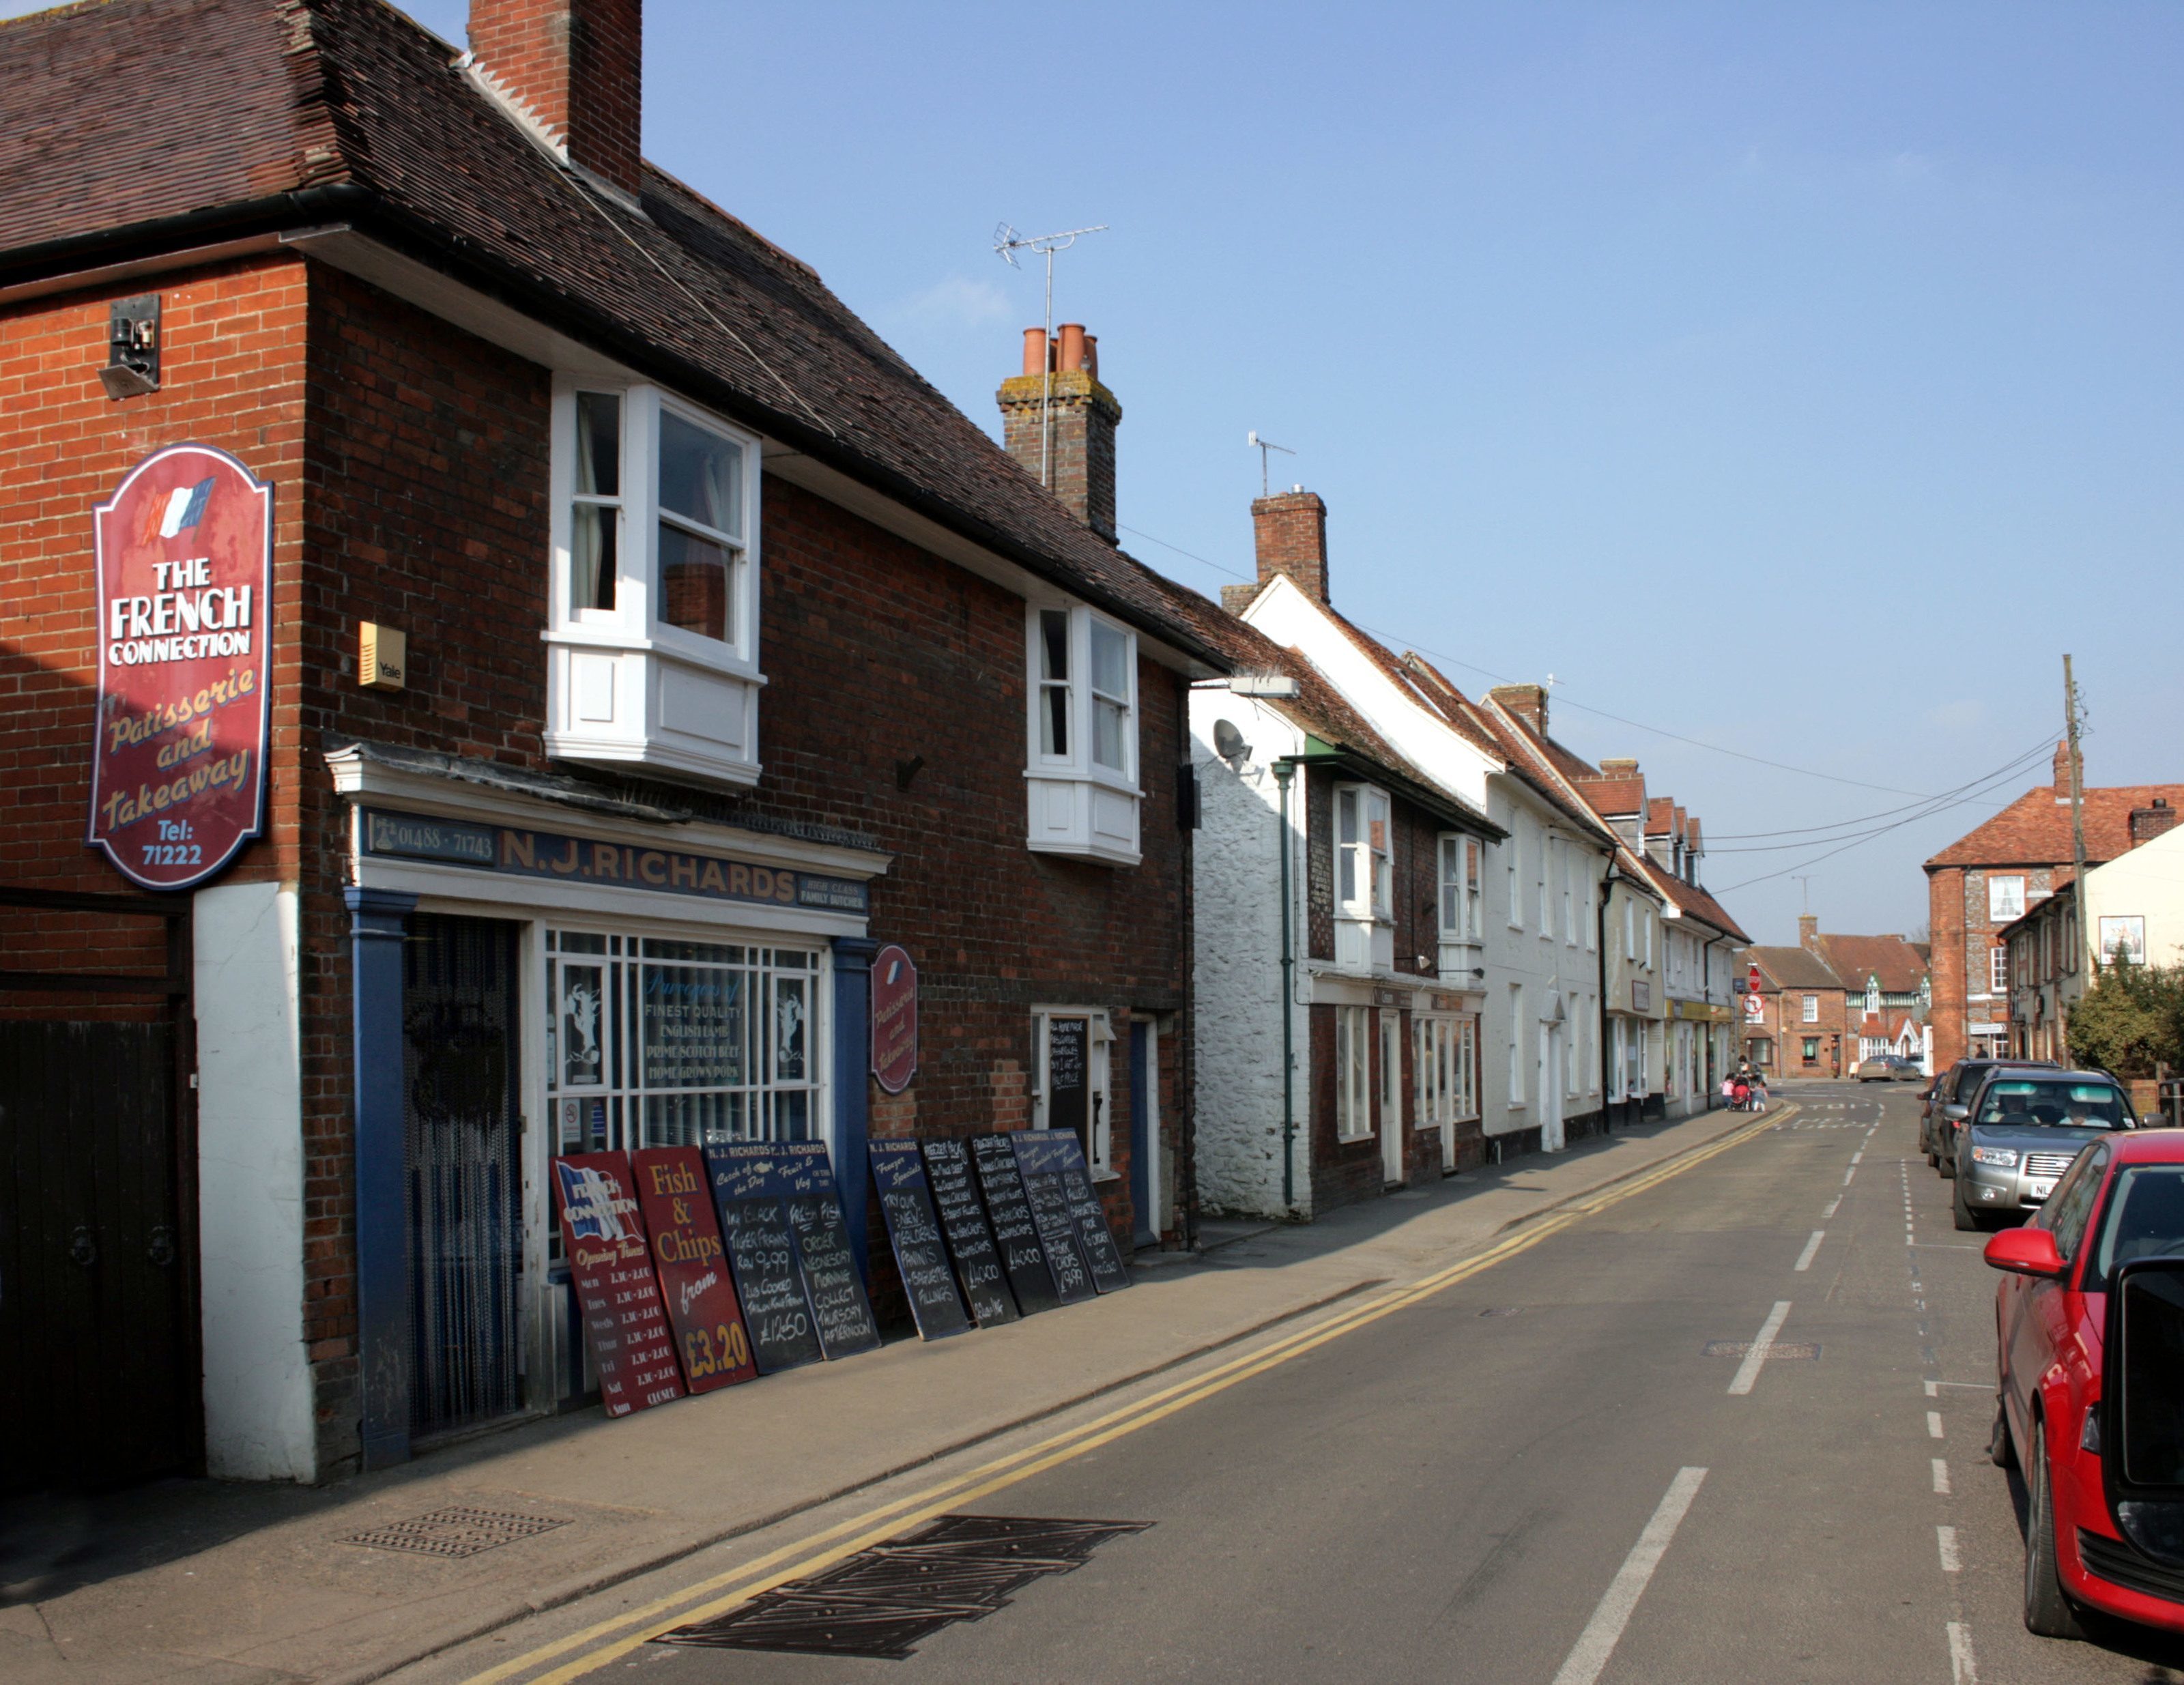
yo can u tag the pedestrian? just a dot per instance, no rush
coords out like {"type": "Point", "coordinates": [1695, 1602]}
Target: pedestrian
{"type": "Point", "coordinates": [1740, 1092]}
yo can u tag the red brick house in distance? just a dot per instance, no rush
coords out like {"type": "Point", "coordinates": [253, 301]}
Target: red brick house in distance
{"type": "Point", "coordinates": [1987, 880]}
{"type": "Point", "coordinates": [641, 628]}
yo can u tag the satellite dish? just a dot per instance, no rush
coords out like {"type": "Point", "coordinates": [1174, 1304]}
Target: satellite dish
{"type": "Point", "coordinates": [1228, 743]}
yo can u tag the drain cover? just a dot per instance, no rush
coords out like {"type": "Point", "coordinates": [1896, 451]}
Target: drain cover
{"type": "Point", "coordinates": [457, 1532]}
{"type": "Point", "coordinates": [883, 1601]}
{"type": "Point", "coordinates": [1779, 1350]}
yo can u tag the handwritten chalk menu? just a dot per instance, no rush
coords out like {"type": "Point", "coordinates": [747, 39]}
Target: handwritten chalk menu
{"type": "Point", "coordinates": [840, 1309]}
{"type": "Point", "coordinates": [1060, 1152]}
{"type": "Point", "coordinates": [691, 1266]}
{"type": "Point", "coordinates": [1055, 1222]}
{"type": "Point", "coordinates": [1023, 1260]}
{"type": "Point", "coordinates": [899, 1173]}
{"type": "Point", "coordinates": [610, 1268]}
{"type": "Point", "coordinates": [1068, 1093]}
{"type": "Point", "coordinates": [753, 1211]}
{"type": "Point", "coordinates": [962, 1213]}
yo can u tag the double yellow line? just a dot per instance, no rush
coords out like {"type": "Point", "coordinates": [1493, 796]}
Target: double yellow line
{"type": "Point", "coordinates": [818, 1551]}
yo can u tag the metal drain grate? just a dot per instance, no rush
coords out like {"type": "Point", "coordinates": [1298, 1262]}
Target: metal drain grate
{"type": "Point", "coordinates": [457, 1532]}
{"type": "Point", "coordinates": [884, 1601]}
{"type": "Point", "coordinates": [1779, 1351]}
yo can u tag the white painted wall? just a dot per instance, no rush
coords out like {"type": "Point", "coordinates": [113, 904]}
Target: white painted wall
{"type": "Point", "coordinates": [250, 1185]}
{"type": "Point", "coordinates": [1237, 975]}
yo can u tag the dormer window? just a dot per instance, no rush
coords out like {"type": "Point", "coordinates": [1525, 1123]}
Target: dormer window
{"type": "Point", "coordinates": [1083, 749]}
{"type": "Point", "coordinates": [652, 627]}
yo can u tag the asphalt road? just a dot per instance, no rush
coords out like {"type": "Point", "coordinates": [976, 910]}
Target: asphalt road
{"type": "Point", "coordinates": [1542, 1473]}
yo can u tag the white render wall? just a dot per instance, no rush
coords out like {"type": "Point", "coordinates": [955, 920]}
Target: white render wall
{"type": "Point", "coordinates": [1237, 976]}
{"type": "Point", "coordinates": [250, 1185]}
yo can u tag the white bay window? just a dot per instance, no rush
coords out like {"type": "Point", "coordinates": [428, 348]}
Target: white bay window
{"type": "Point", "coordinates": [1082, 748]}
{"type": "Point", "coordinates": [1462, 926]}
{"type": "Point", "coordinates": [1364, 880]}
{"type": "Point", "coordinates": [652, 624]}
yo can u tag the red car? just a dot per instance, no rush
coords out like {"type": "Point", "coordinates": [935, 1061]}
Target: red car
{"type": "Point", "coordinates": [2122, 1199]}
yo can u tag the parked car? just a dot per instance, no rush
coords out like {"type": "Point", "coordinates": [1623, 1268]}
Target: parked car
{"type": "Point", "coordinates": [1954, 1087]}
{"type": "Point", "coordinates": [2093, 1281]}
{"type": "Point", "coordinates": [2024, 1128]}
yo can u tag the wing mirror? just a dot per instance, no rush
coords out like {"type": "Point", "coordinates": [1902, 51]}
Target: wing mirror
{"type": "Point", "coordinates": [2025, 1252]}
{"type": "Point", "coordinates": [2141, 1405]}
{"type": "Point", "coordinates": [1956, 1113]}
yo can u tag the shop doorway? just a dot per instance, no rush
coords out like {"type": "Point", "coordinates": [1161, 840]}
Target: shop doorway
{"type": "Point", "coordinates": [1144, 1133]}
{"type": "Point", "coordinates": [1391, 1098]}
{"type": "Point", "coordinates": [463, 1189]}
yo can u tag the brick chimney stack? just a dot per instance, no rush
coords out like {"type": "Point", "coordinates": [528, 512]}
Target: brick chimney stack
{"type": "Point", "coordinates": [1289, 531]}
{"type": "Point", "coordinates": [1618, 769]}
{"type": "Point", "coordinates": [1529, 702]}
{"type": "Point", "coordinates": [2148, 823]}
{"type": "Point", "coordinates": [2063, 770]}
{"type": "Point", "coordinates": [576, 68]}
{"type": "Point", "coordinates": [1080, 416]}
{"type": "Point", "coordinates": [1808, 931]}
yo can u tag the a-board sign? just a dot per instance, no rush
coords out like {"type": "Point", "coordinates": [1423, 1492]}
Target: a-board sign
{"type": "Point", "coordinates": [611, 1269]}
{"type": "Point", "coordinates": [840, 1309]}
{"type": "Point", "coordinates": [962, 1216]}
{"type": "Point", "coordinates": [1058, 1151]}
{"type": "Point", "coordinates": [1057, 1224]}
{"type": "Point", "coordinates": [754, 1210]}
{"type": "Point", "coordinates": [913, 1230]}
{"type": "Point", "coordinates": [1068, 1095]}
{"type": "Point", "coordinates": [1023, 1260]}
{"type": "Point", "coordinates": [691, 1266]}
{"type": "Point", "coordinates": [895, 1019]}
{"type": "Point", "coordinates": [185, 617]}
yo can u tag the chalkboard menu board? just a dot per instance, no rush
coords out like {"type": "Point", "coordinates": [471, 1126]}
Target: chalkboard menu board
{"type": "Point", "coordinates": [1059, 1153]}
{"type": "Point", "coordinates": [1068, 1041]}
{"type": "Point", "coordinates": [611, 1269]}
{"type": "Point", "coordinates": [840, 1309]}
{"type": "Point", "coordinates": [1055, 1222]}
{"type": "Point", "coordinates": [963, 1225]}
{"type": "Point", "coordinates": [691, 1266]}
{"type": "Point", "coordinates": [749, 1193]}
{"type": "Point", "coordinates": [1024, 1259]}
{"type": "Point", "coordinates": [899, 1173]}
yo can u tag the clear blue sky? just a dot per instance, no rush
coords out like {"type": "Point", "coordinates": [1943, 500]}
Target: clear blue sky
{"type": "Point", "coordinates": [1801, 379]}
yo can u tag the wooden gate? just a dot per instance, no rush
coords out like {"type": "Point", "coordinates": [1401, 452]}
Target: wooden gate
{"type": "Point", "coordinates": [99, 1379]}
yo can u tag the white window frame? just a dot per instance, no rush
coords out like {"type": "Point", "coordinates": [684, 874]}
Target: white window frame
{"type": "Point", "coordinates": [1459, 869]}
{"type": "Point", "coordinates": [1354, 1036]}
{"type": "Point", "coordinates": [1077, 805]}
{"type": "Point", "coordinates": [1629, 927]}
{"type": "Point", "coordinates": [1543, 877]}
{"type": "Point", "coordinates": [2005, 897]}
{"type": "Point", "coordinates": [1099, 1062]}
{"type": "Point", "coordinates": [1516, 1050]}
{"type": "Point", "coordinates": [1513, 858]}
{"type": "Point", "coordinates": [634, 621]}
{"type": "Point", "coordinates": [1809, 1013]}
{"type": "Point", "coordinates": [1997, 971]}
{"type": "Point", "coordinates": [1571, 861]}
{"type": "Point", "coordinates": [1366, 859]}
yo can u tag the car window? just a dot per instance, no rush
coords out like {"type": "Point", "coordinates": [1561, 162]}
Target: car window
{"type": "Point", "coordinates": [2029, 1101]}
{"type": "Point", "coordinates": [2145, 1219]}
{"type": "Point", "coordinates": [2068, 1207]}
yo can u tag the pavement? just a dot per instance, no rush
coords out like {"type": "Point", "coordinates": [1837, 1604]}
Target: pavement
{"type": "Point", "coordinates": [1719, 1422]}
{"type": "Point", "coordinates": [218, 1583]}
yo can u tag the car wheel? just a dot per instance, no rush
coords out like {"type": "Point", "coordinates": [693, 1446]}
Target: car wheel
{"type": "Point", "coordinates": [2047, 1610]}
{"type": "Point", "coordinates": [1967, 1219]}
{"type": "Point", "coordinates": [1999, 1451]}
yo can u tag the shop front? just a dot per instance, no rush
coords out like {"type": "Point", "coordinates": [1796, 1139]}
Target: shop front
{"type": "Point", "coordinates": [540, 969]}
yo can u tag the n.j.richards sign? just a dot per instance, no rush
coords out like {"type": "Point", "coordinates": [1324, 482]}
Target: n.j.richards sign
{"type": "Point", "coordinates": [185, 577]}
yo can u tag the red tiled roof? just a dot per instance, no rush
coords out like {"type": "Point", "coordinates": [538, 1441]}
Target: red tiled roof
{"type": "Point", "coordinates": [1615, 797]}
{"type": "Point", "coordinates": [2034, 829]}
{"type": "Point", "coordinates": [1694, 901]}
{"type": "Point", "coordinates": [299, 113]}
{"type": "Point", "coordinates": [1889, 958]}
{"type": "Point", "coordinates": [1789, 968]}
{"type": "Point", "coordinates": [1660, 812]}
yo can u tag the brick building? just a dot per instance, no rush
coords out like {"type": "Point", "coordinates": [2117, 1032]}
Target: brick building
{"type": "Point", "coordinates": [643, 644]}
{"type": "Point", "coordinates": [1832, 1001]}
{"type": "Point", "coordinates": [1794, 1022]}
{"type": "Point", "coordinates": [1987, 879]}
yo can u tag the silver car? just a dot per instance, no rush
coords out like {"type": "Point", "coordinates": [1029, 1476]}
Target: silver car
{"type": "Point", "coordinates": [2022, 1129]}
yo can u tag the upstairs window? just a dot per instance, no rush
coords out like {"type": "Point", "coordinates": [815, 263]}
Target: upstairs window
{"type": "Point", "coordinates": [1512, 864]}
{"type": "Point", "coordinates": [1459, 889]}
{"type": "Point", "coordinates": [595, 514]}
{"type": "Point", "coordinates": [701, 528]}
{"type": "Point", "coordinates": [2005, 898]}
{"type": "Point", "coordinates": [1812, 1010]}
{"type": "Point", "coordinates": [1998, 964]}
{"type": "Point", "coordinates": [1082, 693]}
{"type": "Point", "coordinates": [1364, 872]}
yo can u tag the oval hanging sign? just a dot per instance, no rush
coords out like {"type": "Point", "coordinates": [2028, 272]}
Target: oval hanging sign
{"type": "Point", "coordinates": [895, 1019]}
{"type": "Point", "coordinates": [185, 578]}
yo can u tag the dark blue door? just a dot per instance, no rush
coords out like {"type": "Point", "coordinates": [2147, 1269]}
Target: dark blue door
{"type": "Point", "coordinates": [1144, 1143]}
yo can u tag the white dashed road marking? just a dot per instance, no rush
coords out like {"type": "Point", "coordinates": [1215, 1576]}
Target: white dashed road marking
{"type": "Point", "coordinates": [1946, 1539]}
{"type": "Point", "coordinates": [1747, 1372]}
{"type": "Point", "coordinates": [1962, 1670]}
{"type": "Point", "coordinates": [1941, 1477]}
{"type": "Point", "coordinates": [1590, 1655]}
{"type": "Point", "coordinates": [1811, 1246]}
{"type": "Point", "coordinates": [1933, 1424]}
{"type": "Point", "coordinates": [1831, 1211]}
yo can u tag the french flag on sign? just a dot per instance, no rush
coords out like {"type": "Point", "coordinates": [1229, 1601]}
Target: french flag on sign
{"type": "Point", "coordinates": [186, 507]}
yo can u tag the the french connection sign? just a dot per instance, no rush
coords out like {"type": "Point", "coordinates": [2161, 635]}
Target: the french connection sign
{"type": "Point", "coordinates": [515, 851]}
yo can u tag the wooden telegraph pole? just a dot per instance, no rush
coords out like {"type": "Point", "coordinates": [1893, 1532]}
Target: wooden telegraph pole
{"type": "Point", "coordinates": [2078, 825]}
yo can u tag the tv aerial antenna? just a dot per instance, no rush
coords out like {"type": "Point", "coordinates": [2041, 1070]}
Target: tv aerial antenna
{"type": "Point", "coordinates": [1264, 446]}
{"type": "Point", "coordinates": [1007, 243]}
